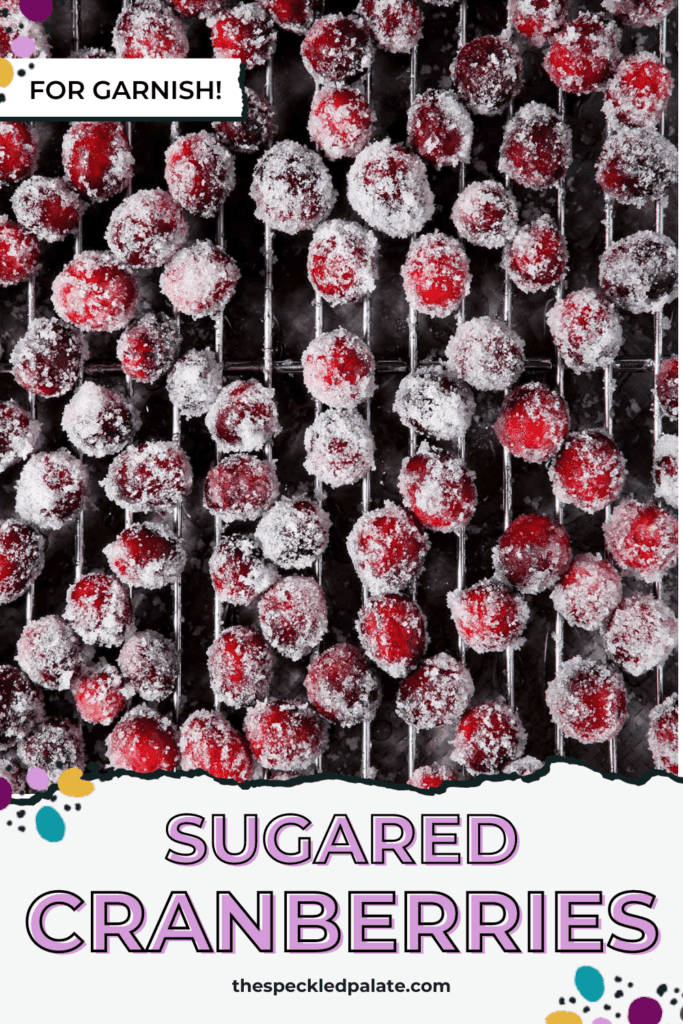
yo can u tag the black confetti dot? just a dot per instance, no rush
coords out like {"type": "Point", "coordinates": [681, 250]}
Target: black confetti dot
{"type": "Point", "coordinates": [586, 1009]}
{"type": "Point", "coordinates": [617, 1015]}
{"type": "Point", "coordinates": [617, 979]}
{"type": "Point", "coordinates": [618, 994]}
{"type": "Point", "coordinates": [561, 998]}
{"type": "Point", "coordinates": [673, 1002]}
{"type": "Point", "coordinates": [630, 984]}
{"type": "Point", "coordinates": [571, 999]}
{"type": "Point", "coordinates": [4, 12]}
{"type": "Point", "coordinates": [2, 97]}
{"type": "Point", "coordinates": [661, 990]}
{"type": "Point", "coordinates": [22, 828]}
{"type": "Point", "coordinates": [607, 1006]}
{"type": "Point", "coordinates": [9, 822]}
{"type": "Point", "coordinates": [31, 66]}
{"type": "Point", "coordinates": [21, 72]}
{"type": "Point", "coordinates": [21, 814]}
{"type": "Point", "coordinates": [67, 807]}
{"type": "Point", "coordinates": [78, 807]}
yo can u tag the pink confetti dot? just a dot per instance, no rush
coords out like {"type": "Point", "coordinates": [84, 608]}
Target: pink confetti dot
{"type": "Point", "coordinates": [37, 778]}
{"type": "Point", "coordinates": [22, 46]}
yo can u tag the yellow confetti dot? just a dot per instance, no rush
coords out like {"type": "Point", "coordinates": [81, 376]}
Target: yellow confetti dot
{"type": "Point", "coordinates": [6, 72]}
{"type": "Point", "coordinates": [71, 783]}
{"type": "Point", "coordinates": [563, 1017]}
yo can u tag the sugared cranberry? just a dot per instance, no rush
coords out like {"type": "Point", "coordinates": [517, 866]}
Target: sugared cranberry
{"type": "Point", "coordinates": [47, 360]}
{"type": "Point", "coordinates": [342, 263]}
{"type": "Point", "coordinates": [536, 258]}
{"type": "Point", "coordinates": [200, 173]}
{"type": "Point", "coordinates": [49, 652]}
{"type": "Point", "coordinates": [19, 253]}
{"type": "Point", "coordinates": [208, 742]}
{"type": "Point", "coordinates": [98, 421]}
{"type": "Point", "coordinates": [150, 663]}
{"type": "Point", "coordinates": [245, 32]}
{"type": "Point", "coordinates": [21, 705]}
{"type": "Point", "coordinates": [240, 666]}
{"type": "Point", "coordinates": [584, 55]}
{"type": "Point", "coordinates": [146, 555]}
{"type": "Point", "coordinates": [393, 633]}
{"type": "Point", "coordinates": [55, 746]}
{"type": "Point", "coordinates": [51, 489]}
{"type": "Point", "coordinates": [538, 20]}
{"type": "Point", "coordinates": [537, 147]}
{"type": "Point", "coordinates": [387, 186]}
{"type": "Point", "coordinates": [148, 28]}
{"type": "Point", "coordinates": [485, 213]}
{"type": "Point", "coordinates": [437, 694]}
{"type": "Point", "coordinates": [439, 128]}
{"type": "Point", "coordinates": [639, 92]}
{"type": "Point", "coordinates": [388, 549]}
{"type": "Point", "coordinates": [395, 24]}
{"type": "Point", "coordinates": [641, 634]}
{"type": "Point", "coordinates": [293, 616]}
{"type": "Point", "coordinates": [636, 165]}
{"type": "Point", "coordinates": [148, 347]}
{"type": "Point", "coordinates": [339, 447]}
{"type": "Point", "coordinates": [587, 701]}
{"type": "Point", "coordinates": [95, 292]}
{"type": "Point", "coordinates": [435, 402]}
{"type": "Point", "coordinates": [283, 736]}
{"type": "Point", "coordinates": [99, 608]}
{"type": "Point", "coordinates": [489, 737]}
{"type": "Point", "coordinates": [200, 280]}
{"type": "Point", "coordinates": [533, 422]}
{"type": "Point", "coordinates": [662, 737]}
{"type": "Point", "coordinates": [342, 687]}
{"type": "Point", "coordinates": [18, 151]}
{"type": "Point", "coordinates": [436, 274]}
{"type": "Point", "coordinates": [100, 694]}
{"type": "Point", "coordinates": [487, 74]}
{"type": "Point", "coordinates": [97, 158]}
{"type": "Point", "coordinates": [588, 592]}
{"type": "Point", "coordinates": [523, 766]}
{"type": "Point", "coordinates": [339, 369]}
{"type": "Point", "coordinates": [15, 24]}
{"type": "Point", "coordinates": [488, 616]}
{"type": "Point", "coordinates": [640, 13]}
{"type": "Point", "coordinates": [439, 489]}
{"type": "Point", "coordinates": [337, 49]}
{"type": "Point", "coordinates": [639, 272]}
{"type": "Point", "coordinates": [238, 571]}
{"type": "Point", "coordinates": [47, 207]}
{"type": "Point", "coordinates": [586, 330]}
{"type": "Point", "coordinates": [195, 382]}
{"type": "Point", "coordinates": [665, 469]}
{"type": "Point", "coordinates": [19, 434]}
{"type": "Point", "coordinates": [486, 353]}
{"type": "Point", "coordinates": [533, 553]}
{"type": "Point", "coordinates": [292, 188]}
{"type": "Point", "coordinates": [193, 8]}
{"type": "Point", "coordinates": [243, 418]}
{"type": "Point", "coordinates": [293, 534]}
{"type": "Point", "coordinates": [340, 122]}
{"type": "Point", "coordinates": [589, 472]}
{"type": "Point", "coordinates": [150, 477]}
{"type": "Point", "coordinates": [252, 135]}
{"type": "Point", "coordinates": [642, 539]}
{"type": "Point", "coordinates": [142, 741]}
{"type": "Point", "coordinates": [240, 487]}
{"type": "Point", "coordinates": [147, 229]}
{"type": "Point", "coordinates": [294, 15]}
{"type": "Point", "coordinates": [431, 776]}
{"type": "Point", "coordinates": [21, 558]}
{"type": "Point", "coordinates": [667, 386]}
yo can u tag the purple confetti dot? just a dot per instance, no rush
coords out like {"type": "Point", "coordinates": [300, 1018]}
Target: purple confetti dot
{"type": "Point", "coordinates": [644, 1011]}
{"type": "Point", "coordinates": [37, 779]}
{"type": "Point", "coordinates": [22, 46]}
{"type": "Point", "coordinates": [601, 1020]}
{"type": "Point", "coordinates": [5, 793]}
{"type": "Point", "coordinates": [36, 10]}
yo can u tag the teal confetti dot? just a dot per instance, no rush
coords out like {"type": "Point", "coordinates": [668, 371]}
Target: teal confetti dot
{"type": "Point", "coordinates": [590, 983]}
{"type": "Point", "coordinates": [50, 824]}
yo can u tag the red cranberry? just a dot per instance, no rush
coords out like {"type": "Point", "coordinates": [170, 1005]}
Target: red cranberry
{"type": "Point", "coordinates": [19, 434]}
{"type": "Point", "coordinates": [293, 534]}
{"type": "Point", "coordinates": [19, 253]}
{"type": "Point", "coordinates": [285, 737]}
{"type": "Point", "coordinates": [99, 608]}
{"type": "Point", "coordinates": [437, 694]}
{"type": "Point", "coordinates": [148, 347]}
{"type": "Point", "coordinates": [294, 15]}
{"type": "Point", "coordinates": [488, 616]}
{"type": "Point", "coordinates": [339, 447]}
{"type": "Point", "coordinates": [533, 422]}
{"type": "Point", "coordinates": [18, 151]}
{"type": "Point", "coordinates": [95, 292]}
{"type": "Point", "coordinates": [662, 737]}
{"type": "Point", "coordinates": [240, 666]}
{"type": "Point", "coordinates": [243, 418]}
{"type": "Point", "coordinates": [393, 633]}
{"type": "Point", "coordinates": [144, 742]}
{"type": "Point", "coordinates": [51, 489]}
{"type": "Point", "coordinates": [584, 55]}
{"type": "Point", "coordinates": [238, 571]}
{"type": "Point", "coordinates": [589, 471]}
{"type": "Point", "coordinates": [642, 539]}
{"type": "Point", "coordinates": [49, 652]}
{"type": "Point", "coordinates": [292, 188]}
{"type": "Point", "coordinates": [21, 558]}
{"type": "Point", "coordinates": [244, 32]}
{"type": "Point", "coordinates": [667, 386]}
{"type": "Point", "coordinates": [342, 687]}
{"type": "Point", "coordinates": [195, 382]}
{"type": "Point", "coordinates": [487, 74]}
{"type": "Point", "coordinates": [486, 353]}
{"type": "Point", "coordinates": [533, 553]}
{"type": "Point", "coordinates": [489, 737]}
{"type": "Point", "coordinates": [55, 746]}
{"type": "Point", "coordinates": [588, 593]}
{"type": "Point", "coordinates": [340, 122]}
{"type": "Point", "coordinates": [240, 487]}
{"type": "Point", "coordinates": [100, 693]}
{"type": "Point", "coordinates": [666, 469]}
{"type": "Point", "coordinates": [209, 743]}
{"type": "Point", "coordinates": [48, 359]}
{"type": "Point", "coordinates": [587, 701]}
{"type": "Point", "coordinates": [194, 8]}
{"type": "Point", "coordinates": [150, 663]}
{"type": "Point", "coordinates": [536, 258]}
{"type": "Point", "coordinates": [642, 634]}
{"type": "Point", "coordinates": [148, 28]}
{"type": "Point", "coordinates": [252, 135]}
{"type": "Point", "coordinates": [97, 158]}
{"type": "Point", "coordinates": [388, 549]}
{"type": "Point", "coordinates": [395, 24]}
{"type": "Point", "coordinates": [640, 13]}
{"type": "Point", "coordinates": [146, 555]}
{"type": "Point", "coordinates": [485, 213]}
{"type": "Point", "coordinates": [431, 776]}
{"type": "Point", "coordinates": [439, 128]}
{"type": "Point", "coordinates": [639, 272]}
{"type": "Point", "coordinates": [435, 402]}
{"type": "Point", "coordinates": [98, 421]}
{"type": "Point", "coordinates": [293, 616]}
{"type": "Point", "coordinates": [436, 274]}
{"type": "Point", "coordinates": [537, 147]}
{"type": "Point", "coordinates": [639, 92]}
{"type": "Point", "coordinates": [342, 263]}
{"type": "Point", "coordinates": [199, 173]}
{"type": "Point", "coordinates": [21, 705]}
{"type": "Point", "coordinates": [147, 229]}
{"type": "Point", "coordinates": [586, 330]}
{"type": "Point", "coordinates": [438, 489]}
{"type": "Point", "coordinates": [200, 280]}
{"type": "Point", "coordinates": [636, 165]}
{"type": "Point", "coordinates": [339, 369]}
{"type": "Point", "coordinates": [151, 477]}
{"type": "Point", "coordinates": [337, 49]}
{"type": "Point", "coordinates": [47, 207]}
{"type": "Point", "coordinates": [388, 188]}
{"type": "Point", "coordinates": [538, 20]}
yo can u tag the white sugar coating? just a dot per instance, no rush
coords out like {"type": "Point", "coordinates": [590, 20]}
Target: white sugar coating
{"type": "Point", "coordinates": [114, 165]}
{"type": "Point", "coordinates": [545, 16]}
{"type": "Point", "coordinates": [536, 258]}
{"type": "Point", "coordinates": [640, 272]}
{"type": "Point", "coordinates": [339, 369]}
{"type": "Point", "coordinates": [532, 556]}
{"type": "Point", "coordinates": [210, 743]}
{"type": "Point", "coordinates": [533, 422]}
{"type": "Point", "coordinates": [438, 488]}
{"type": "Point", "coordinates": [149, 346]}
{"type": "Point", "coordinates": [337, 48]}
{"type": "Point", "coordinates": [19, 434]}
{"type": "Point", "coordinates": [48, 359]}
{"type": "Point", "coordinates": [150, 663]}
{"type": "Point", "coordinates": [18, 153]}
{"type": "Point", "coordinates": [148, 28]}
{"type": "Point", "coordinates": [642, 539]}
{"type": "Point", "coordinates": [293, 616]}
{"type": "Point", "coordinates": [20, 250]}
{"type": "Point", "coordinates": [50, 652]}
{"type": "Point", "coordinates": [393, 633]}
{"type": "Point", "coordinates": [489, 616]}
{"type": "Point", "coordinates": [486, 213]}
{"type": "Point", "coordinates": [486, 353]}
{"type": "Point", "coordinates": [639, 91]}
{"type": "Point", "coordinates": [422, 777]}
{"type": "Point", "coordinates": [640, 13]}
{"type": "Point", "coordinates": [22, 556]}
{"type": "Point", "coordinates": [243, 417]}
{"type": "Point", "coordinates": [340, 448]}
{"type": "Point", "coordinates": [99, 614]}
{"type": "Point", "coordinates": [195, 382]}
{"type": "Point", "coordinates": [55, 746]}
{"type": "Point", "coordinates": [249, 30]}
{"type": "Point", "coordinates": [585, 329]}
{"type": "Point", "coordinates": [200, 173]}
{"type": "Point", "coordinates": [588, 593]}
{"type": "Point", "coordinates": [526, 765]}
{"type": "Point", "coordinates": [495, 738]}
{"type": "Point", "coordinates": [641, 634]}
{"type": "Point", "coordinates": [127, 559]}
{"type": "Point", "coordinates": [151, 477]}
{"type": "Point", "coordinates": [200, 279]}
{"type": "Point", "coordinates": [587, 701]}
{"type": "Point", "coordinates": [95, 292]}
{"type": "Point", "coordinates": [22, 706]}
{"type": "Point", "coordinates": [341, 121]}
{"type": "Point", "coordinates": [644, 163]}
{"type": "Point", "coordinates": [520, 134]}
{"type": "Point", "coordinates": [240, 666]}
{"type": "Point", "coordinates": [487, 74]}
{"type": "Point", "coordinates": [388, 187]}
{"type": "Point", "coordinates": [147, 228]}
{"type": "Point", "coordinates": [293, 534]}
{"type": "Point", "coordinates": [292, 188]}
{"type": "Point", "coordinates": [395, 24]}
{"type": "Point", "coordinates": [436, 274]}
{"type": "Point", "coordinates": [287, 737]}
{"type": "Point", "coordinates": [666, 469]}
{"type": "Point", "coordinates": [342, 257]}
{"type": "Point", "coordinates": [388, 549]}
{"type": "Point", "coordinates": [238, 570]}
{"type": "Point", "coordinates": [436, 113]}
{"type": "Point", "coordinates": [48, 482]}
{"type": "Point", "coordinates": [437, 694]}
{"type": "Point", "coordinates": [105, 690]}
{"type": "Point", "coordinates": [33, 196]}
{"type": "Point", "coordinates": [435, 402]}
{"type": "Point", "coordinates": [98, 421]}
{"type": "Point", "coordinates": [342, 686]}
{"type": "Point", "coordinates": [589, 472]}
{"type": "Point", "coordinates": [662, 737]}
{"type": "Point", "coordinates": [584, 54]}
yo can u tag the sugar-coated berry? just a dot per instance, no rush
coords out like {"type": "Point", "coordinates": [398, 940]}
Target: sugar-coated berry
{"type": "Point", "coordinates": [533, 553]}
{"type": "Point", "coordinates": [642, 633]}
{"type": "Point", "coordinates": [523, 766]}
{"type": "Point", "coordinates": [147, 229]}
{"type": "Point", "coordinates": [587, 701]}
{"type": "Point", "coordinates": [51, 489]}
{"type": "Point", "coordinates": [294, 533]}
{"type": "Point", "coordinates": [285, 736]}
{"type": "Point", "coordinates": [387, 186]}
{"type": "Point", "coordinates": [48, 207]}
{"type": "Point", "coordinates": [337, 49]}
{"type": "Point", "coordinates": [665, 469]}
{"type": "Point", "coordinates": [252, 135]}
{"type": "Point", "coordinates": [294, 15]}
{"type": "Point", "coordinates": [148, 28]}
{"type": "Point", "coordinates": [199, 172]}
{"type": "Point", "coordinates": [440, 128]}
{"type": "Point", "coordinates": [22, 705]}
{"type": "Point", "coordinates": [95, 292]}
{"type": "Point", "coordinates": [662, 737]}
{"type": "Point", "coordinates": [18, 151]}
{"type": "Point", "coordinates": [436, 274]}
{"type": "Point", "coordinates": [438, 488]}
{"type": "Point", "coordinates": [148, 347]}
{"type": "Point", "coordinates": [588, 593]}
{"type": "Point", "coordinates": [537, 147]}
{"type": "Point", "coordinates": [342, 687]}
{"type": "Point", "coordinates": [100, 694]}
{"type": "Point", "coordinates": [431, 776]}
{"type": "Point", "coordinates": [339, 369]}
{"type": "Point", "coordinates": [486, 353]}
{"type": "Point", "coordinates": [339, 447]}
{"type": "Point", "coordinates": [342, 265]}
{"type": "Point", "coordinates": [200, 279]}
{"type": "Point", "coordinates": [585, 54]}
{"type": "Point", "coordinates": [50, 652]}
{"type": "Point", "coordinates": [142, 741]}
{"type": "Point", "coordinates": [19, 253]}
{"type": "Point", "coordinates": [640, 272]}
{"type": "Point", "coordinates": [150, 477]}
{"type": "Point", "coordinates": [536, 258]}
{"type": "Point", "coordinates": [99, 608]}
{"type": "Point", "coordinates": [488, 616]}
{"type": "Point", "coordinates": [245, 32]}
{"type": "Point", "coordinates": [19, 434]}
{"type": "Point", "coordinates": [485, 213]}
{"type": "Point", "coordinates": [642, 539]}
{"type": "Point", "coordinates": [396, 25]}
{"type": "Point", "coordinates": [241, 487]}
{"type": "Point", "coordinates": [243, 417]}
{"type": "Point", "coordinates": [146, 555]}
{"type": "Point", "coordinates": [585, 329]}
{"type": "Point", "coordinates": [15, 24]}
{"type": "Point", "coordinates": [292, 188]}
{"type": "Point", "coordinates": [538, 20]}
{"type": "Point", "coordinates": [436, 694]}
{"type": "Point", "coordinates": [48, 359]}
{"type": "Point", "coordinates": [21, 558]}
{"type": "Point", "coordinates": [393, 633]}
{"type": "Point", "coordinates": [533, 422]}
{"type": "Point", "coordinates": [639, 92]}
{"type": "Point", "coordinates": [97, 158]}
{"type": "Point", "coordinates": [341, 120]}
{"type": "Point", "coordinates": [435, 402]}
{"type": "Point", "coordinates": [98, 421]}
{"type": "Point", "coordinates": [640, 13]}
{"type": "Point", "coordinates": [11, 770]}
{"type": "Point", "coordinates": [195, 382]}
{"type": "Point", "coordinates": [589, 472]}
{"type": "Point", "coordinates": [240, 666]}
{"type": "Point", "coordinates": [209, 743]}
{"type": "Point", "coordinates": [150, 663]}
{"type": "Point", "coordinates": [487, 74]}
{"type": "Point", "coordinates": [55, 746]}
{"type": "Point", "coordinates": [238, 571]}
{"type": "Point", "coordinates": [489, 737]}
{"type": "Point", "coordinates": [193, 8]}
{"type": "Point", "coordinates": [293, 616]}
{"type": "Point", "coordinates": [388, 549]}
{"type": "Point", "coordinates": [636, 165]}
{"type": "Point", "coordinates": [667, 386]}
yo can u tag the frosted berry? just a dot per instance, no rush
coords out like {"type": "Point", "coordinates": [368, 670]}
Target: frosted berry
{"type": "Point", "coordinates": [339, 447]}
{"type": "Point", "coordinates": [48, 359]}
{"type": "Point", "coordinates": [252, 135]}
{"type": "Point", "coordinates": [489, 737]}
{"type": "Point", "coordinates": [21, 705]}
{"type": "Point", "coordinates": [146, 555]}
{"type": "Point", "coordinates": [47, 207]}
{"type": "Point", "coordinates": [148, 28]}
{"type": "Point", "coordinates": [150, 477]}
{"type": "Point", "coordinates": [148, 347]}
{"type": "Point", "coordinates": [293, 616]}
{"type": "Point", "coordinates": [285, 736]}
{"type": "Point", "coordinates": [436, 694]}
{"type": "Point", "coordinates": [21, 558]}
{"type": "Point", "coordinates": [533, 553]}
{"type": "Point", "coordinates": [438, 489]}
{"type": "Point", "coordinates": [18, 151]}
{"type": "Point", "coordinates": [536, 258]}
{"type": "Point", "coordinates": [485, 213]}
{"type": "Point", "coordinates": [387, 186]}
{"type": "Point", "coordinates": [439, 128]}
{"type": "Point", "coordinates": [435, 402]}
{"type": "Point", "coordinates": [639, 272]}
{"type": "Point", "coordinates": [640, 13]}
{"type": "Point", "coordinates": [342, 687]}
{"type": "Point", "coordinates": [342, 265]}
{"type": "Point", "coordinates": [667, 386]}
{"type": "Point", "coordinates": [240, 487]}
{"type": "Point", "coordinates": [639, 92]}
{"type": "Point", "coordinates": [97, 158]}
{"type": "Point", "coordinates": [537, 147]}
{"type": "Point", "coordinates": [486, 354]}
{"type": "Point", "coordinates": [243, 417]}
{"type": "Point", "coordinates": [200, 279]}
{"type": "Point", "coordinates": [238, 571]}
{"type": "Point", "coordinates": [583, 56]}
{"type": "Point", "coordinates": [436, 274]}
{"type": "Point", "coordinates": [19, 253]}
{"type": "Point", "coordinates": [195, 382]}
{"type": "Point", "coordinates": [396, 25]}
{"type": "Point", "coordinates": [538, 20]}
{"type": "Point", "coordinates": [588, 593]}
{"type": "Point", "coordinates": [523, 766]}
{"type": "Point", "coordinates": [487, 74]}
{"type": "Point", "coordinates": [636, 165]}
{"type": "Point", "coordinates": [98, 421]}
{"type": "Point", "coordinates": [51, 489]}
{"type": "Point", "coordinates": [488, 616]}
{"type": "Point", "coordinates": [337, 49]}
{"type": "Point", "coordinates": [388, 549]}
{"type": "Point", "coordinates": [150, 663]}
{"type": "Point", "coordinates": [589, 472]}
{"type": "Point", "coordinates": [340, 122]}
{"type": "Point", "coordinates": [146, 229]}
{"type": "Point", "coordinates": [49, 652]}
{"type": "Point", "coordinates": [339, 369]}
{"type": "Point", "coordinates": [99, 608]}
{"type": "Point", "coordinates": [393, 633]}
{"type": "Point", "coordinates": [208, 742]}
{"type": "Point", "coordinates": [200, 173]}
{"type": "Point", "coordinates": [292, 188]}
{"type": "Point", "coordinates": [641, 634]}
{"type": "Point", "coordinates": [95, 292]}
{"type": "Point", "coordinates": [245, 32]}
{"type": "Point", "coordinates": [431, 776]}
{"type": "Point", "coordinates": [294, 533]}
{"type": "Point", "coordinates": [240, 666]}
{"type": "Point", "coordinates": [55, 746]}
{"type": "Point", "coordinates": [193, 8]}
{"type": "Point", "coordinates": [100, 694]}
{"type": "Point", "coordinates": [533, 422]}
{"type": "Point", "coordinates": [19, 434]}
{"type": "Point", "coordinates": [662, 737]}
{"type": "Point", "coordinates": [142, 741]}
{"type": "Point", "coordinates": [587, 701]}
{"type": "Point", "coordinates": [294, 15]}
{"type": "Point", "coordinates": [665, 469]}
{"type": "Point", "coordinates": [642, 539]}
{"type": "Point", "coordinates": [586, 330]}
